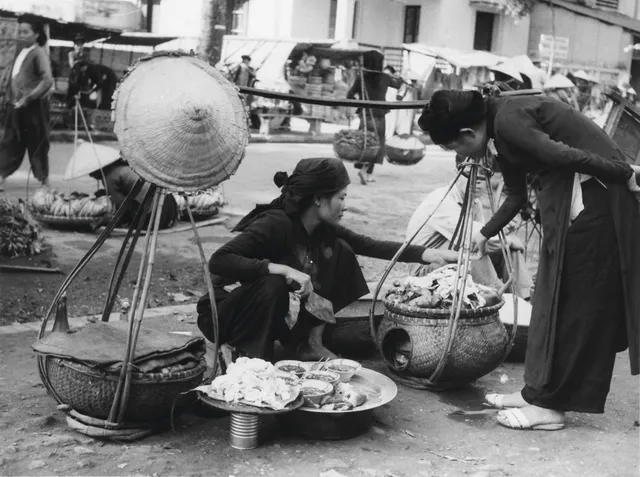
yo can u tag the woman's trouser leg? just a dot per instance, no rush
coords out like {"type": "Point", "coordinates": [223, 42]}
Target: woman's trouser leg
{"type": "Point", "coordinates": [590, 327]}
{"type": "Point", "coordinates": [12, 148]}
{"type": "Point", "coordinates": [251, 317]}
{"type": "Point", "coordinates": [36, 136]}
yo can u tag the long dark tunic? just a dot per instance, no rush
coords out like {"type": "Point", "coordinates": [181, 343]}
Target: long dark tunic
{"type": "Point", "coordinates": [585, 296]}
{"type": "Point", "coordinates": [327, 255]}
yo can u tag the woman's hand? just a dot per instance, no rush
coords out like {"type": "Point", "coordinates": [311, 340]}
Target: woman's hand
{"type": "Point", "coordinates": [292, 275]}
{"type": "Point", "coordinates": [479, 241]}
{"type": "Point", "coordinates": [442, 257]}
{"type": "Point", "coordinates": [632, 183]}
{"type": "Point", "coordinates": [21, 103]}
{"type": "Point", "coordinates": [515, 244]}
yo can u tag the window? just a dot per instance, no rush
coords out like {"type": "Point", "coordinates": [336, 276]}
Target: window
{"type": "Point", "coordinates": [483, 37]}
{"type": "Point", "coordinates": [411, 24]}
{"type": "Point", "coordinates": [356, 19]}
{"type": "Point", "coordinates": [608, 4]}
{"type": "Point", "coordinates": [333, 13]}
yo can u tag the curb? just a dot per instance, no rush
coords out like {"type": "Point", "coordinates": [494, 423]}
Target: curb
{"type": "Point", "coordinates": [159, 312]}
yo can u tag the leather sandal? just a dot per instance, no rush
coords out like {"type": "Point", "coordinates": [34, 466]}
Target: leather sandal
{"type": "Point", "coordinates": [515, 419]}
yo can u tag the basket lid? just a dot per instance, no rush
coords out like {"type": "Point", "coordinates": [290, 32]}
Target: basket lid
{"type": "Point", "coordinates": [180, 124]}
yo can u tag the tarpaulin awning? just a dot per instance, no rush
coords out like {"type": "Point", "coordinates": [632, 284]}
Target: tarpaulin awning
{"type": "Point", "coordinates": [457, 58]}
{"type": "Point", "coordinates": [138, 39]}
{"type": "Point", "coordinates": [67, 31]}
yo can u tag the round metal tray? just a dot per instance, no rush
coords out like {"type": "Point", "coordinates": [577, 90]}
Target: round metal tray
{"type": "Point", "coordinates": [246, 408]}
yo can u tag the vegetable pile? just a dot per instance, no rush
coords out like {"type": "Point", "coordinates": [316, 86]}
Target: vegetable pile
{"type": "Point", "coordinates": [355, 138]}
{"type": "Point", "coordinates": [19, 233]}
{"type": "Point", "coordinates": [436, 290]}
{"type": "Point", "coordinates": [76, 205]}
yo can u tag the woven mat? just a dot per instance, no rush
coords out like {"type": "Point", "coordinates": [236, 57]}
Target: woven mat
{"type": "Point", "coordinates": [103, 345]}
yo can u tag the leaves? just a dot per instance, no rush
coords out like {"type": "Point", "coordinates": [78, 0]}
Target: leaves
{"type": "Point", "coordinates": [20, 234]}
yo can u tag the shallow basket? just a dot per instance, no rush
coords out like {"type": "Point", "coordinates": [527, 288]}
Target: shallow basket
{"type": "Point", "coordinates": [55, 221]}
{"type": "Point", "coordinates": [413, 341]}
{"type": "Point", "coordinates": [404, 157]}
{"type": "Point", "coordinates": [91, 392]}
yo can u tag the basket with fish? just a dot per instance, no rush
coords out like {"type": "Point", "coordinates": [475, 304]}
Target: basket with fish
{"type": "Point", "coordinates": [418, 330]}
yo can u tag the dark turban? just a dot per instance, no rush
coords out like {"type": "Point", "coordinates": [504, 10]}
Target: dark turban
{"type": "Point", "coordinates": [311, 177]}
{"type": "Point", "coordinates": [449, 111]}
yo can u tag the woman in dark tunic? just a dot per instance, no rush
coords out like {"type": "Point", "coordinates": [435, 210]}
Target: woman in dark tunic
{"type": "Point", "coordinates": [586, 305]}
{"type": "Point", "coordinates": [118, 179]}
{"type": "Point", "coordinates": [294, 243]}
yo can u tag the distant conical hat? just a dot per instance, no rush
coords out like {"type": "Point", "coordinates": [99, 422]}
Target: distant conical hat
{"type": "Point", "coordinates": [180, 124]}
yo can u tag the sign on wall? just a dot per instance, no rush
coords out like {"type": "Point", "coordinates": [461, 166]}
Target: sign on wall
{"type": "Point", "coordinates": [559, 45]}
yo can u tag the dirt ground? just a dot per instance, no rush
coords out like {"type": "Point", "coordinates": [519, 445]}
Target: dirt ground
{"type": "Point", "coordinates": [418, 434]}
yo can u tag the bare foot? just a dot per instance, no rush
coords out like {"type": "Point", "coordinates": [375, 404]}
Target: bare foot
{"type": "Point", "coordinates": [363, 177]}
{"type": "Point", "coordinates": [307, 352]}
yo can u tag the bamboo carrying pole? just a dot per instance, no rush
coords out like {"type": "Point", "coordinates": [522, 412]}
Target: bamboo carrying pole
{"type": "Point", "coordinates": [465, 228]}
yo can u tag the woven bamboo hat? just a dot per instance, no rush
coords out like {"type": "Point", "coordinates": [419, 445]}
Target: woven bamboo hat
{"type": "Point", "coordinates": [180, 124]}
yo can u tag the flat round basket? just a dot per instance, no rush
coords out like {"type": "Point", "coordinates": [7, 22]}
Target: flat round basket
{"type": "Point", "coordinates": [55, 221]}
{"type": "Point", "coordinates": [180, 124]}
{"type": "Point", "coordinates": [91, 392]}
{"type": "Point", "coordinates": [404, 157]}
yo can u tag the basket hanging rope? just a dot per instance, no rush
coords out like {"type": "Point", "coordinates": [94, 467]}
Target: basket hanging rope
{"type": "Point", "coordinates": [180, 124]}
{"type": "Point", "coordinates": [450, 335]}
{"type": "Point", "coordinates": [182, 127]}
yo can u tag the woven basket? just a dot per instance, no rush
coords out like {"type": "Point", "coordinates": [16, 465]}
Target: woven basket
{"type": "Point", "coordinates": [91, 392]}
{"type": "Point", "coordinates": [72, 222]}
{"type": "Point", "coordinates": [350, 335]}
{"type": "Point", "coordinates": [478, 346]}
{"type": "Point", "coordinates": [404, 157]}
{"type": "Point", "coordinates": [353, 153]}
{"type": "Point", "coordinates": [519, 349]}
{"type": "Point", "coordinates": [180, 124]}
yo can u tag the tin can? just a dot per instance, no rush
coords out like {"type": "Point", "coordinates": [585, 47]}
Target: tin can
{"type": "Point", "coordinates": [244, 431]}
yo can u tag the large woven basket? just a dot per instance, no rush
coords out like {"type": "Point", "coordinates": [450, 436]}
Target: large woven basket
{"type": "Point", "coordinates": [478, 345]}
{"type": "Point", "coordinates": [91, 392]}
{"type": "Point", "coordinates": [348, 152]}
{"type": "Point", "coordinates": [404, 157]}
{"type": "Point", "coordinates": [180, 124]}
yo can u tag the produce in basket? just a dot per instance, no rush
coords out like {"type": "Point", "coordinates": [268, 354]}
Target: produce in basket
{"type": "Point", "coordinates": [200, 202]}
{"type": "Point", "coordinates": [356, 138]}
{"type": "Point", "coordinates": [405, 149]}
{"type": "Point", "coordinates": [436, 290]}
{"type": "Point", "coordinates": [77, 205]}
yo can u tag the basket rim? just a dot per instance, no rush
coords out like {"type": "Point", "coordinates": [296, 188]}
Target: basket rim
{"type": "Point", "coordinates": [58, 219]}
{"type": "Point", "coordinates": [440, 313]}
{"type": "Point", "coordinates": [139, 378]}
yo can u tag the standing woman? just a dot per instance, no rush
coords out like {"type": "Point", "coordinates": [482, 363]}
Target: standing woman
{"type": "Point", "coordinates": [586, 307]}
{"type": "Point", "coordinates": [27, 122]}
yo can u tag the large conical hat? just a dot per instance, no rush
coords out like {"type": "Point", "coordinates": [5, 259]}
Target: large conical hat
{"type": "Point", "coordinates": [180, 124]}
{"type": "Point", "coordinates": [89, 158]}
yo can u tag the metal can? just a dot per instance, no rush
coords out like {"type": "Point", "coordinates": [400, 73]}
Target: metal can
{"type": "Point", "coordinates": [244, 431]}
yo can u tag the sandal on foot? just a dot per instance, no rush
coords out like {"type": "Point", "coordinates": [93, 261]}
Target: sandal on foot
{"type": "Point", "coordinates": [515, 419]}
{"type": "Point", "coordinates": [497, 401]}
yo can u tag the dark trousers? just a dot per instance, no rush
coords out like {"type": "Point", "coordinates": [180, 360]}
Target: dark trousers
{"type": "Point", "coordinates": [26, 130]}
{"type": "Point", "coordinates": [590, 327]}
{"type": "Point", "coordinates": [375, 124]}
{"type": "Point", "coordinates": [252, 317]}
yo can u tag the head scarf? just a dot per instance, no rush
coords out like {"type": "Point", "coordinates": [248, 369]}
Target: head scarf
{"type": "Point", "coordinates": [311, 177]}
{"type": "Point", "coordinates": [449, 111]}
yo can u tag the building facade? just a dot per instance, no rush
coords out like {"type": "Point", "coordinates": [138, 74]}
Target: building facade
{"type": "Point", "coordinates": [459, 24]}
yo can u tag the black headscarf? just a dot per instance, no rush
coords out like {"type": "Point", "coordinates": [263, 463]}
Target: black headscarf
{"type": "Point", "coordinates": [311, 177]}
{"type": "Point", "coordinates": [449, 111]}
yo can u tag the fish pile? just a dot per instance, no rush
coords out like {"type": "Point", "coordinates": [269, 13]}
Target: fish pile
{"type": "Point", "coordinates": [254, 382]}
{"type": "Point", "coordinates": [51, 202]}
{"type": "Point", "coordinates": [436, 290]}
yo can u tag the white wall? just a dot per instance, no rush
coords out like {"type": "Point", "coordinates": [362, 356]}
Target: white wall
{"type": "Point", "coordinates": [381, 22]}
{"type": "Point", "coordinates": [310, 19]}
{"type": "Point", "coordinates": [179, 17]}
{"type": "Point", "coordinates": [270, 18]}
